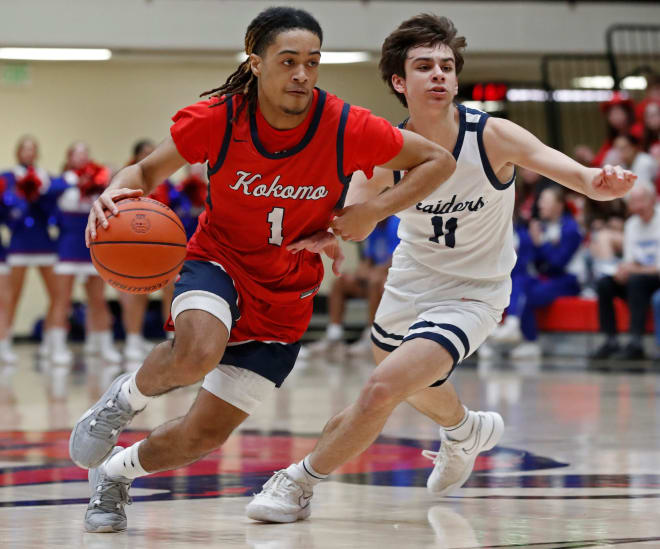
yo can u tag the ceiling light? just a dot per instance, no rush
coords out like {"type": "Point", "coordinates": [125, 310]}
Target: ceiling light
{"type": "Point", "coordinates": [55, 54]}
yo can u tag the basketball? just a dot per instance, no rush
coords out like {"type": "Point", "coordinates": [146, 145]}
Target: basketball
{"type": "Point", "coordinates": [143, 247]}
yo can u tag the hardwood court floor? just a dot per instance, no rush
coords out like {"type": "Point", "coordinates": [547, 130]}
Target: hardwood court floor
{"type": "Point", "coordinates": [578, 466]}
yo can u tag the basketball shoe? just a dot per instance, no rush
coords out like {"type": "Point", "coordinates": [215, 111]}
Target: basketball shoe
{"type": "Point", "coordinates": [96, 432]}
{"type": "Point", "coordinates": [105, 512]}
{"type": "Point", "coordinates": [454, 461]}
{"type": "Point", "coordinates": [281, 499]}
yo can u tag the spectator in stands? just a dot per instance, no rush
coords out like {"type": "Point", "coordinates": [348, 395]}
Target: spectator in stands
{"type": "Point", "coordinates": [631, 157]}
{"type": "Point", "coordinates": [620, 117]}
{"type": "Point", "coordinates": [651, 131]}
{"type": "Point", "coordinates": [555, 239]}
{"type": "Point", "coordinates": [520, 274]}
{"type": "Point", "coordinates": [7, 356]}
{"type": "Point", "coordinates": [368, 282]}
{"type": "Point", "coordinates": [529, 187]}
{"type": "Point", "coordinates": [84, 181]}
{"type": "Point", "coordinates": [29, 197]}
{"type": "Point", "coordinates": [636, 277]}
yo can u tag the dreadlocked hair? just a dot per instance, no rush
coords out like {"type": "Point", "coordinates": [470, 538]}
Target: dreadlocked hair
{"type": "Point", "coordinates": [260, 34]}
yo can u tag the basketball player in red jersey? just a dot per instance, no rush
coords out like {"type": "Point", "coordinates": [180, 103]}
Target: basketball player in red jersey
{"type": "Point", "coordinates": [280, 154]}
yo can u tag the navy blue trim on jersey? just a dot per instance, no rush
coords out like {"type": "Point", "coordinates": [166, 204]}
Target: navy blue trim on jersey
{"type": "Point", "coordinates": [383, 346]}
{"type": "Point", "coordinates": [197, 275]}
{"type": "Point", "coordinates": [314, 124]}
{"type": "Point", "coordinates": [441, 340]}
{"type": "Point", "coordinates": [225, 141]}
{"type": "Point", "coordinates": [397, 176]}
{"type": "Point", "coordinates": [462, 125]}
{"type": "Point", "coordinates": [223, 150]}
{"type": "Point", "coordinates": [344, 179]}
{"type": "Point", "coordinates": [385, 334]}
{"type": "Point", "coordinates": [494, 181]}
{"type": "Point", "coordinates": [274, 361]}
{"type": "Point", "coordinates": [460, 334]}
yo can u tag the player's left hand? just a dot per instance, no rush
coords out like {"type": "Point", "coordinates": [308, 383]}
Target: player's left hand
{"type": "Point", "coordinates": [354, 222]}
{"type": "Point", "coordinates": [611, 182]}
{"type": "Point", "coordinates": [321, 242]}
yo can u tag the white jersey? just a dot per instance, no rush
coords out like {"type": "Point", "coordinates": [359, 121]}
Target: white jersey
{"type": "Point", "coordinates": [460, 237]}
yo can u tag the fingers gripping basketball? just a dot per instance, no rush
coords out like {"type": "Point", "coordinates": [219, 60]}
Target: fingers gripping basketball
{"type": "Point", "coordinates": [143, 247]}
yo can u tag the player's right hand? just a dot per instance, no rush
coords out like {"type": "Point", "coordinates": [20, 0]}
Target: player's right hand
{"type": "Point", "coordinates": [321, 242]}
{"type": "Point", "coordinates": [106, 202]}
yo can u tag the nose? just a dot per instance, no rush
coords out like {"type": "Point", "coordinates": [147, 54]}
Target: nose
{"type": "Point", "coordinates": [300, 75]}
{"type": "Point", "coordinates": [437, 74]}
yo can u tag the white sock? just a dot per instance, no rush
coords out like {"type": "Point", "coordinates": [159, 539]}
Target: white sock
{"type": "Point", "coordinates": [5, 344]}
{"type": "Point", "coordinates": [125, 463]}
{"type": "Point", "coordinates": [93, 338]}
{"type": "Point", "coordinates": [462, 429]}
{"type": "Point", "coordinates": [58, 337]}
{"type": "Point", "coordinates": [133, 340]}
{"type": "Point", "coordinates": [132, 394]}
{"type": "Point", "coordinates": [335, 332]}
{"type": "Point", "coordinates": [513, 321]}
{"type": "Point", "coordinates": [105, 339]}
{"type": "Point", "coordinates": [305, 473]}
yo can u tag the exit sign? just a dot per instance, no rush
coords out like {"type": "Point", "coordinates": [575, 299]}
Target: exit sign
{"type": "Point", "coordinates": [15, 74]}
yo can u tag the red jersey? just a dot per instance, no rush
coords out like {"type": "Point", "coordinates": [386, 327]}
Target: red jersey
{"type": "Point", "coordinates": [269, 188]}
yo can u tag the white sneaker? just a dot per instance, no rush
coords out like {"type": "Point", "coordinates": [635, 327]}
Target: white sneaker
{"type": "Point", "coordinates": [61, 356]}
{"type": "Point", "coordinates": [454, 461]}
{"type": "Point", "coordinates": [281, 499]}
{"type": "Point", "coordinates": [509, 332]}
{"type": "Point", "coordinates": [7, 355]}
{"type": "Point", "coordinates": [486, 351]}
{"type": "Point", "coordinates": [135, 353]}
{"type": "Point", "coordinates": [321, 347]}
{"type": "Point", "coordinates": [527, 351]}
{"type": "Point", "coordinates": [362, 347]}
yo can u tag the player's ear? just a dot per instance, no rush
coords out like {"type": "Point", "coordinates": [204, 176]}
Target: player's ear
{"type": "Point", "coordinates": [255, 64]}
{"type": "Point", "coordinates": [398, 83]}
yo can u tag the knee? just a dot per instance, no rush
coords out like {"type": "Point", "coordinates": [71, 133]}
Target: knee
{"type": "Point", "coordinates": [378, 397]}
{"type": "Point", "coordinates": [193, 357]}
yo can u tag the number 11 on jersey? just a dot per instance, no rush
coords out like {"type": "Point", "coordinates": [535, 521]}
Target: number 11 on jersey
{"type": "Point", "coordinates": [275, 218]}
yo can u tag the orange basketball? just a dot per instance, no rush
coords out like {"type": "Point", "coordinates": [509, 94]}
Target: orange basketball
{"type": "Point", "coordinates": [143, 247]}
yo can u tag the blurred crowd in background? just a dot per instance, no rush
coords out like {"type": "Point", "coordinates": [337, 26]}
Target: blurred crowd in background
{"type": "Point", "coordinates": [567, 245]}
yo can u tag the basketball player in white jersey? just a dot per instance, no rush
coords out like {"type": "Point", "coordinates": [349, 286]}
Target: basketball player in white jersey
{"type": "Point", "coordinates": [450, 277]}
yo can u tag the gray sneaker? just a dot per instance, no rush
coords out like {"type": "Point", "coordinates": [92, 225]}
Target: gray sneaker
{"type": "Point", "coordinates": [97, 431]}
{"type": "Point", "coordinates": [105, 512]}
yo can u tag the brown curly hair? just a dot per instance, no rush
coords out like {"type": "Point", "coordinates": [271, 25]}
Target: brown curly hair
{"type": "Point", "coordinates": [425, 29]}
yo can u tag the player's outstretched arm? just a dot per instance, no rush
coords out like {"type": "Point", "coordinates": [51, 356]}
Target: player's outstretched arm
{"type": "Point", "coordinates": [428, 165]}
{"type": "Point", "coordinates": [506, 142]}
{"type": "Point", "coordinates": [133, 181]}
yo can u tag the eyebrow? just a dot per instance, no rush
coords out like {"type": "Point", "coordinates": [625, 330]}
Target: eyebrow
{"type": "Point", "coordinates": [443, 60]}
{"type": "Point", "coordinates": [294, 52]}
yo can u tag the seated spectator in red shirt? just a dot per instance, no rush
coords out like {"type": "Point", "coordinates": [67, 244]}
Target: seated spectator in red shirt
{"type": "Point", "coordinates": [620, 117]}
{"type": "Point", "coordinates": [636, 278]}
{"type": "Point", "coordinates": [555, 240]}
{"type": "Point", "coordinates": [631, 157]}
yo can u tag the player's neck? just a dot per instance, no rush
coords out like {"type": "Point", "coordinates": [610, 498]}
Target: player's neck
{"type": "Point", "coordinates": [280, 119]}
{"type": "Point", "coordinates": [437, 126]}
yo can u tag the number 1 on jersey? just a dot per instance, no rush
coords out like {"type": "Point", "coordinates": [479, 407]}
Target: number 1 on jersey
{"type": "Point", "coordinates": [275, 218]}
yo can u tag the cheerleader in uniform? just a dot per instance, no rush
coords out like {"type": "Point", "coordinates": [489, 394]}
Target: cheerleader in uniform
{"type": "Point", "coordinates": [29, 199]}
{"type": "Point", "coordinates": [7, 356]}
{"type": "Point", "coordinates": [84, 181]}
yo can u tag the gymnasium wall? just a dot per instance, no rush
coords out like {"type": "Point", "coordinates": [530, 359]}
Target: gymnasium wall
{"type": "Point", "coordinates": [167, 51]}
